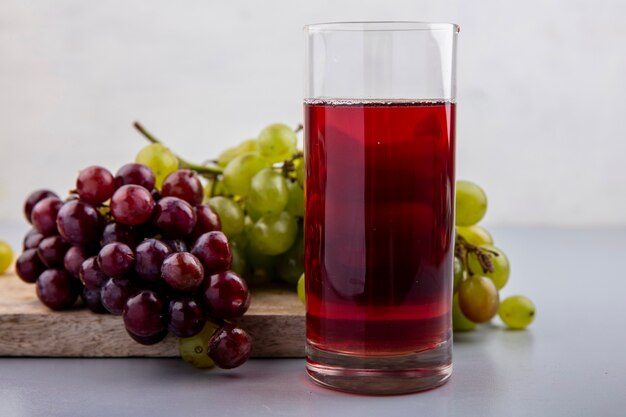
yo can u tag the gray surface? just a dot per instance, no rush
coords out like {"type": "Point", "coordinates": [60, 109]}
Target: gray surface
{"type": "Point", "coordinates": [570, 362]}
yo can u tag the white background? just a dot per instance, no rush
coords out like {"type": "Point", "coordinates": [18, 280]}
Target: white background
{"type": "Point", "coordinates": [541, 85]}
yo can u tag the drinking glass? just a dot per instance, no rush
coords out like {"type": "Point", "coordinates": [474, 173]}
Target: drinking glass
{"type": "Point", "coordinates": [379, 225]}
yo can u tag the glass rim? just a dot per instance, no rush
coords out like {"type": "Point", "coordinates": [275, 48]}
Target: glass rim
{"type": "Point", "coordinates": [380, 26]}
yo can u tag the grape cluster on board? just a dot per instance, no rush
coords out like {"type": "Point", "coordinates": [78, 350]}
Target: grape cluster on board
{"type": "Point", "coordinates": [141, 244]}
{"type": "Point", "coordinates": [481, 269]}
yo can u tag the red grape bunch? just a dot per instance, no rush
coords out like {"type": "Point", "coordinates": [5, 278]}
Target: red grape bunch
{"type": "Point", "coordinates": [140, 244]}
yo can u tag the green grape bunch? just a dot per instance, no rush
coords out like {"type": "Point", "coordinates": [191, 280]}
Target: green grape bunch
{"type": "Point", "coordinates": [481, 269]}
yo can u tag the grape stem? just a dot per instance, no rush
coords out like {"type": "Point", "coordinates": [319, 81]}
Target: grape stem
{"type": "Point", "coordinates": [299, 128]}
{"type": "Point", "coordinates": [289, 165]}
{"type": "Point", "coordinates": [211, 185]}
{"type": "Point", "coordinates": [462, 249]}
{"type": "Point", "coordinates": [207, 170]}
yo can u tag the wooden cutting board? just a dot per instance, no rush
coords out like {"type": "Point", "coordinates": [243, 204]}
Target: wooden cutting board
{"type": "Point", "coordinates": [28, 328]}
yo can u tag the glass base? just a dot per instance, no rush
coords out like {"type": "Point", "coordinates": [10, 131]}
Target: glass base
{"type": "Point", "coordinates": [380, 375]}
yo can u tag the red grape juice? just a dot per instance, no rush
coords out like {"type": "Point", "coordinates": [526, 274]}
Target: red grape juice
{"type": "Point", "coordinates": [379, 225]}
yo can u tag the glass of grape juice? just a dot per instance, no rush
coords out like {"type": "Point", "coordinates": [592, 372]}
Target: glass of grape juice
{"type": "Point", "coordinates": [379, 228]}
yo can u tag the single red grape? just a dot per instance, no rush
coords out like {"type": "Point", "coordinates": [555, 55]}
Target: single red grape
{"type": "Point", "coordinates": [174, 217]}
{"type": "Point", "coordinates": [29, 266]}
{"type": "Point", "coordinates": [213, 251]}
{"type": "Point", "coordinates": [185, 185]}
{"type": "Point", "coordinates": [95, 184]}
{"type": "Point", "coordinates": [32, 239]}
{"type": "Point", "coordinates": [79, 223]}
{"type": "Point", "coordinates": [34, 198]}
{"type": "Point", "coordinates": [230, 346]}
{"type": "Point", "coordinates": [52, 250]}
{"type": "Point", "coordinates": [132, 205]}
{"type": "Point", "coordinates": [116, 259]}
{"type": "Point", "coordinates": [144, 314]}
{"type": "Point", "coordinates": [91, 275]}
{"type": "Point", "coordinates": [185, 318]}
{"type": "Point", "coordinates": [74, 258]}
{"type": "Point", "coordinates": [182, 271]}
{"type": "Point", "coordinates": [57, 289]}
{"type": "Point", "coordinates": [44, 215]}
{"type": "Point", "coordinates": [225, 295]}
{"type": "Point", "coordinates": [149, 257]}
{"type": "Point", "coordinates": [137, 174]}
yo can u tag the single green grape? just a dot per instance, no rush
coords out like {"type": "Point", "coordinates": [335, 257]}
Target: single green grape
{"type": "Point", "coordinates": [250, 145]}
{"type": "Point", "coordinates": [193, 349]}
{"type": "Point", "coordinates": [254, 258]}
{"type": "Point", "coordinates": [460, 323]}
{"type": "Point", "coordinates": [459, 273]}
{"type": "Point", "coordinates": [517, 312]}
{"type": "Point", "coordinates": [160, 159]}
{"type": "Point", "coordinates": [476, 235]}
{"type": "Point", "coordinates": [501, 266]}
{"type": "Point", "coordinates": [268, 192]}
{"type": "Point", "coordinates": [6, 256]}
{"type": "Point", "coordinates": [478, 298]}
{"type": "Point", "coordinates": [277, 142]}
{"type": "Point", "coordinates": [302, 289]}
{"type": "Point", "coordinates": [238, 264]}
{"type": "Point", "coordinates": [240, 170]}
{"type": "Point", "coordinates": [290, 265]}
{"type": "Point", "coordinates": [471, 203]}
{"type": "Point", "coordinates": [274, 234]}
{"type": "Point", "coordinates": [230, 214]}
{"type": "Point", "coordinates": [295, 201]}
{"type": "Point", "coordinates": [299, 163]}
